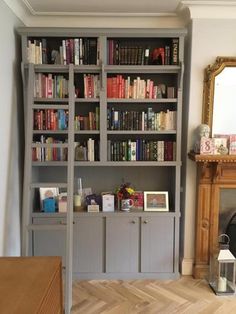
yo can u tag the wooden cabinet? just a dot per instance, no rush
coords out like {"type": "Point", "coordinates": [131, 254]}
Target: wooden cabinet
{"type": "Point", "coordinates": [88, 245]}
{"type": "Point", "coordinates": [31, 285]}
{"type": "Point", "coordinates": [119, 244]}
{"type": "Point", "coordinates": [122, 244]}
{"type": "Point", "coordinates": [49, 241]}
{"type": "Point", "coordinates": [157, 244]}
{"type": "Point", "coordinates": [140, 244]}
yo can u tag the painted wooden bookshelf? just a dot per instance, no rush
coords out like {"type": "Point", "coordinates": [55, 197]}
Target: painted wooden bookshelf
{"type": "Point", "coordinates": [121, 88]}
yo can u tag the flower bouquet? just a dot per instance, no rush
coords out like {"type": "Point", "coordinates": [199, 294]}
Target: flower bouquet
{"type": "Point", "coordinates": [124, 193]}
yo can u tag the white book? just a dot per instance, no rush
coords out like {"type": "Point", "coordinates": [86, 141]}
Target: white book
{"type": "Point", "coordinates": [76, 51]}
{"type": "Point", "coordinates": [90, 149]}
{"type": "Point", "coordinates": [64, 51]}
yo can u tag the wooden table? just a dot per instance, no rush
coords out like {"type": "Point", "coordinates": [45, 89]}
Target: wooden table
{"type": "Point", "coordinates": [30, 285]}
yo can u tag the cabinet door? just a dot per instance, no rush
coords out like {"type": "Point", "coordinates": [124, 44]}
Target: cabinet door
{"type": "Point", "coordinates": [88, 240]}
{"type": "Point", "coordinates": [157, 244]}
{"type": "Point", "coordinates": [122, 243]}
{"type": "Point", "coordinates": [49, 242]}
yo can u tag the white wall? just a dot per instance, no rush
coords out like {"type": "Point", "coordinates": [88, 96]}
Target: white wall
{"type": "Point", "coordinates": [210, 38]}
{"type": "Point", "coordinates": [11, 127]}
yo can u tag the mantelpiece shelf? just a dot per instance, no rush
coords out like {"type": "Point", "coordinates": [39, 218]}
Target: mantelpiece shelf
{"type": "Point", "coordinates": [212, 158]}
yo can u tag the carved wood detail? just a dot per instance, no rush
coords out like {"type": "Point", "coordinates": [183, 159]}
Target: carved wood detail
{"type": "Point", "coordinates": [214, 174]}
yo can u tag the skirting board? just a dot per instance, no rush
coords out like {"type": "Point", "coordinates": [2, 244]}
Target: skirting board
{"type": "Point", "coordinates": [187, 266]}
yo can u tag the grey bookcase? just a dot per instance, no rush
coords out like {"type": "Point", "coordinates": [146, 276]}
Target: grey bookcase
{"type": "Point", "coordinates": [104, 245]}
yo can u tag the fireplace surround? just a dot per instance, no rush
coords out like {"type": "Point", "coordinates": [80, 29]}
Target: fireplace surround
{"type": "Point", "coordinates": [214, 173]}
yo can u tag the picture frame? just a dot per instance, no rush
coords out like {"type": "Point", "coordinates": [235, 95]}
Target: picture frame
{"type": "Point", "coordinates": [48, 193]}
{"type": "Point", "coordinates": [137, 197]}
{"type": "Point", "coordinates": [156, 201]}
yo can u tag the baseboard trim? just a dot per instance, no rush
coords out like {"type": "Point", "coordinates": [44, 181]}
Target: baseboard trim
{"type": "Point", "coordinates": [187, 266]}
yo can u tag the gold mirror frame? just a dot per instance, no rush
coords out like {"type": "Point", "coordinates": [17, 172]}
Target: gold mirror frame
{"type": "Point", "coordinates": [208, 89]}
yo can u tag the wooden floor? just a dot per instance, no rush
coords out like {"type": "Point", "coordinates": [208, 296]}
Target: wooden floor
{"type": "Point", "coordinates": [186, 295]}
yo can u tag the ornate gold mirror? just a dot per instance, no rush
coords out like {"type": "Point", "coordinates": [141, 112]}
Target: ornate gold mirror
{"type": "Point", "coordinates": [219, 96]}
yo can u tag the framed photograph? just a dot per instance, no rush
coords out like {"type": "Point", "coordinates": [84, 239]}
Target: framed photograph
{"type": "Point", "coordinates": [156, 201]}
{"type": "Point", "coordinates": [48, 193]}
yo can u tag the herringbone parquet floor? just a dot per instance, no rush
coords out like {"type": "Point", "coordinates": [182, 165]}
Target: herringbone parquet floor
{"type": "Point", "coordinates": [185, 295]}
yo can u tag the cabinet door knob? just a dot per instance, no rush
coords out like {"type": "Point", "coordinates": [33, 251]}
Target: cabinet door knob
{"type": "Point", "coordinates": [145, 221]}
{"type": "Point", "coordinates": [133, 222]}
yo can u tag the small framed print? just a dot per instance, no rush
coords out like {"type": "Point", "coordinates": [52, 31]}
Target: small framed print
{"type": "Point", "coordinates": [137, 197]}
{"type": "Point", "coordinates": [156, 201]}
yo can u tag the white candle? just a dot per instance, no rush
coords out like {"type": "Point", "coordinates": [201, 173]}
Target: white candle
{"type": "Point", "coordinates": [77, 200]}
{"type": "Point", "coordinates": [222, 284]}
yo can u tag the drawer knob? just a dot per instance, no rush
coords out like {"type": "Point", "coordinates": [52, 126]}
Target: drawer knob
{"type": "Point", "coordinates": [145, 221]}
{"type": "Point", "coordinates": [133, 222]}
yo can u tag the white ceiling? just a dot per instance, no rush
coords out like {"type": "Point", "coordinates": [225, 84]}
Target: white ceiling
{"type": "Point", "coordinates": [119, 13]}
{"type": "Point", "coordinates": [103, 6]}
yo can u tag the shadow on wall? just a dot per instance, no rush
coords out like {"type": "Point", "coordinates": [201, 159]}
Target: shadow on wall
{"type": "Point", "coordinates": [12, 232]}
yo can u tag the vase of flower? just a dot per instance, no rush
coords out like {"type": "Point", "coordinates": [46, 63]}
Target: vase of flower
{"type": "Point", "coordinates": [124, 193]}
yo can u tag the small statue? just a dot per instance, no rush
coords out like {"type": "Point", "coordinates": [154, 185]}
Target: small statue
{"type": "Point", "coordinates": [203, 130]}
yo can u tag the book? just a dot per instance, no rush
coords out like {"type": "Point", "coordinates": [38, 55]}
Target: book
{"type": "Point", "coordinates": [175, 51]}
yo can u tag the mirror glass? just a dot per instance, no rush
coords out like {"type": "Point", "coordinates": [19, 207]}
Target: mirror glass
{"type": "Point", "coordinates": [219, 96]}
{"type": "Point", "coordinates": [224, 102]}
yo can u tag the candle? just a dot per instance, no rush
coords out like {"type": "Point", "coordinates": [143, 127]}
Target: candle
{"type": "Point", "coordinates": [222, 284]}
{"type": "Point", "coordinates": [77, 200]}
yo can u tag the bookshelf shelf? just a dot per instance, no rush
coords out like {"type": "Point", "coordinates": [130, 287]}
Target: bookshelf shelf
{"type": "Point", "coordinates": [142, 132]}
{"type": "Point", "coordinates": [72, 119]}
{"type": "Point", "coordinates": [50, 132]}
{"type": "Point", "coordinates": [51, 100]}
{"type": "Point", "coordinates": [81, 100]}
{"type": "Point", "coordinates": [143, 69]}
{"type": "Point", "coordinates": [145, 100]}
{"type": "Point", "coordinates": [49, 163]}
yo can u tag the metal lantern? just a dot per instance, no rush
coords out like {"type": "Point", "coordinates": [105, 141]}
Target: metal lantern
{"type": "Point", "coordinates": [222, 269]}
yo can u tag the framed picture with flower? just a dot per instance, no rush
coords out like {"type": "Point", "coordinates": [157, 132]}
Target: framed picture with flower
{"type": "Point", "coordinates": [156, 201]}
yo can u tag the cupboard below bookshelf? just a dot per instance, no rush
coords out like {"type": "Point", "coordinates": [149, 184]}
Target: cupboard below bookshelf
{"type": "Point", "coordinates": [105, 106]}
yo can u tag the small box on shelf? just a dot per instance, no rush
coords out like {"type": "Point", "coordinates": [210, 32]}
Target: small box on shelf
{"type": "Point", "coordinates": [108, 203]}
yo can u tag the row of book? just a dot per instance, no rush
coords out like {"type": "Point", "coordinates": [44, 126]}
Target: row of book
{"type": "Point", "coordinates": [78, 51]}
{"type": "Point", "coordinates": [124, 53]}
{"type": "Point", "coordinates": [141, 150]}
{"type": "Point", "coordinates": [50, 86]}
{"type": "Point", "coordinates": [49, 153]}
{"type": "Point", "coordinates": [91, 86]}
{"type": "Point", "coordinates": [51, 119]}
{"type": "Point", "coordinates": [89, 122]}
{"type": "Point", "coordinates": [56, 86]}
{"type": "Point", "coordinates": [121, 87]}
{"type": "Point", "coordinates": [88, 150]}
{"type": "Point", "coordinates": [144, 120]}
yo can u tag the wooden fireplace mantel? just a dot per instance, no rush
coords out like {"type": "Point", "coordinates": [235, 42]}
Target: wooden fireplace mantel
{"type": "Point", "coordinates": [214, 172]}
